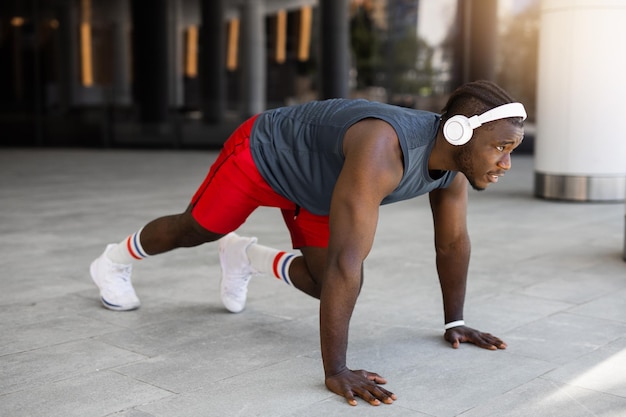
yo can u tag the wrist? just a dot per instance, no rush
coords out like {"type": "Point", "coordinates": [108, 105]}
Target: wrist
{"type": "Point", "coordinates": [453, 324]}
{"type": "Point", "coordinates": [330, 374]}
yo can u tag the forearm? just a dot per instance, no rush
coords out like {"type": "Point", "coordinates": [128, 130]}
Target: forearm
{"type": "Point", "coordinates": [452, 267]}
{"type": "Point", "coordinates": [336, 306]}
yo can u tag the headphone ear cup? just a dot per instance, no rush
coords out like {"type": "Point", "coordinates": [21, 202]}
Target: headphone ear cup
{"type": "Point", "coordinates": [457, 130]}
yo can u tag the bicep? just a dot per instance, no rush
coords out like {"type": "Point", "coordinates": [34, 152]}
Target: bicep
{"type": "Point", "coordinates": [372, 169]}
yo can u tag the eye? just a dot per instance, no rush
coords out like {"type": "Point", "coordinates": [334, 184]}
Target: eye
{"type": "Point", "coordinates": [500, 148]}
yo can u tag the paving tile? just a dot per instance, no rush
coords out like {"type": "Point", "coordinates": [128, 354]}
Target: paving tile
{"type": "Point", "coordinates": [454, 381]}
{"type": "Point", "coordinates": [610, 307]}
{"type": "Point", "coordinates": [507, 311]}
{"type": "Point", "coordinates": [26, 327]}
{"type": "Point", "coordinates": [576, 288]}
{"type": "Point", "coordinates": [94, 395]}
{"type": "Point", "coordinates": [545, 276]}
{"type": "Point", "coordinates": [542, 398]}
{"type": "Point", "coordinates": [185, 330]}
{"type": "Point", "coordinates": [600, 370]}
{"type": "Point", "coordinates": [198, 365]}
{"type": "Point", "coordinates": [562, 337]}
{"type": "Point", "coordinates": [275, 390]}
{"type": "Point", "coordinates": [55, 363]}
{"type": "Point", "coordinates": [431, 378]}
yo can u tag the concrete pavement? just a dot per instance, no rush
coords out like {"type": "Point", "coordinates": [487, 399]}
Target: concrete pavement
{"type": "Point", "coordinates": [547, 277]}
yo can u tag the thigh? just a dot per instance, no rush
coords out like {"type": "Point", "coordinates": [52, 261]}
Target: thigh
{"type": "Point", "coordinates": [306, 229]}
{"type": "Point", "coordinates": [233, 188]}
{"type": "Point", "coordinates": [224, 200]}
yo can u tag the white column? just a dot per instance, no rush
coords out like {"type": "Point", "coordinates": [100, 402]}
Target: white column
{"type": "Point", "coordinates": [580, 149]}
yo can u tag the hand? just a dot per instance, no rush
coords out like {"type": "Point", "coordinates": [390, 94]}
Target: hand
{"type": "Point", "coordinates": [464, 334]}
{"type": "Point", "coordinates": [362, 384]}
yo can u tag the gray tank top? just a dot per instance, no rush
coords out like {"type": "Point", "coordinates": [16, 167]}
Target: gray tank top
{"type": "Point", "coordinates": [299, 149]}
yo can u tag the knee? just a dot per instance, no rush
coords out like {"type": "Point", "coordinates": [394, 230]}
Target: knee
{"type": "Point", "coordinates": [191, 233]}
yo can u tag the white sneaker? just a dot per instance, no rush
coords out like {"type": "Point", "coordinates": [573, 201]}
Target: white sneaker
{"type": "Point", "coordinates": [113, 280]}
{"type": "Point", "coordinates": [236, 271]}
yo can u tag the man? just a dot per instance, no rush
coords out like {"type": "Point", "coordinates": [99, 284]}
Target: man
{"type": "Point", "coordinates": [329, 166]}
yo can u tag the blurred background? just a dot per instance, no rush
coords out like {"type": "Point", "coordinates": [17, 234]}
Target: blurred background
{"type": "Point", "coordinates": [184, 73]}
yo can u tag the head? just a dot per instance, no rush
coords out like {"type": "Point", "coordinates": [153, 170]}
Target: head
{"type": "Point", "coordinates": [487, 155]}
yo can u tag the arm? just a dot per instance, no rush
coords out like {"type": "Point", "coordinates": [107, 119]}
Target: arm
{"type": "Point", "coordinates": [452, 246]}
{"type": "Point", "coordinates": [372, 169]}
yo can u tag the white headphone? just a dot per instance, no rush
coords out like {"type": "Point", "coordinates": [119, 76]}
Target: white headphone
{"type": "Point", "coordinates": [458, 130]}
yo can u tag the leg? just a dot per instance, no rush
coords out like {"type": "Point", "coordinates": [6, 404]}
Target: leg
{"type": "Point", "coordinates": [175, 231]}
{"type": "Point", "coordinates": [241, 257]}
{"type": "Point", "coordinates": [217, 207]}
{"type": "Point", "coordinates": [160, 235]}
{"type": "Point", "coordinates": [307, 271]}
{"type": "Point", "coordinates": [310, 233]}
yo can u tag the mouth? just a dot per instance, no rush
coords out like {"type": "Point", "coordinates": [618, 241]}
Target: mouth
{"type": "Point", "coordinates": [494, 177]}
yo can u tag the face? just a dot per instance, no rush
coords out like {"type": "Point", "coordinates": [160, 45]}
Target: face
{"type": "Point", "coordinates": [487, 156]}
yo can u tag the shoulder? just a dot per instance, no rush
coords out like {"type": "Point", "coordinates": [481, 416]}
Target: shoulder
{"type": "Point", "coordinates": [375, 135]}
{"type": "Point", "coordinates": [373, 156]}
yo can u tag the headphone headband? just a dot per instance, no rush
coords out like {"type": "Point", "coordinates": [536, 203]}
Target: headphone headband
{"type": "Point", "coordinates": [501, 112]}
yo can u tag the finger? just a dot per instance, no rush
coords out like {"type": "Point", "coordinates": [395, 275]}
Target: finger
{"type": "Point", "coordinates": [350, 397]}
{"type": "Point", "coordinates": [367, 396]}
{"type": "Point", "coordinates": [374, 402]}
{"type": "Point", "coordinates": [487, 343]}
{"type": "Point", "coordinates": [389, 400]}
{"type": "Point", "coordinates": [452, 338]}
{"type": "Point", "coordinates": [388, 397]}
{"type": "Point", "coordinates": [381, 393]}
{"type": "Point", "coordinates": [483, 343]}
{"type": "Point", "coordinates": [376, 378]}
{"type": "Point", "coordinates": [385, 396]}
{"type": "Point", "coordinates": [375, 395]}
{"type": "Point", "coordinates": [372, 376]}
{"type": "Point", "coordinates": [499, 344]}
{"type": "Point", "coordinates": [495, 341]}
{"type": "Point", "coordinates": [454, 341]}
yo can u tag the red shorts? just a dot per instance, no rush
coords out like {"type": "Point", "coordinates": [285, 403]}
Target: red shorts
{"type": "Point", "coordinates": [234, 188]}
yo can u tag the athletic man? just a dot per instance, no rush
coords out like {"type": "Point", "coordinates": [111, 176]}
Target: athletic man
{"type": "Point", "coordinates": [328, 166]}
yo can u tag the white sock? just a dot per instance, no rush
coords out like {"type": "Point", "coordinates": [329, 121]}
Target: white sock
{"type": "Point", "coordinates": [128, 250]}
{"type": "Point", "coordinates": [271, 261]}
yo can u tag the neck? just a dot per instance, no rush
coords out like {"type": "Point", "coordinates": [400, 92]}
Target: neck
{"type": "Point", "coordinates": [441, 157]}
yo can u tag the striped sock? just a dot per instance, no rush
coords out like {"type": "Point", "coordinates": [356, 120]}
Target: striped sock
{"type": "Point", "coordinates": [271, 261]}
{"type": "Point", "coordinates": [128, 250]}
{"type": "Point", "coordinates": [280, 266]}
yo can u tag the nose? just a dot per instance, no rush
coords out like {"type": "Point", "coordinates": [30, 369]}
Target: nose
{"type": "Point", "coordinates": [505, 162]}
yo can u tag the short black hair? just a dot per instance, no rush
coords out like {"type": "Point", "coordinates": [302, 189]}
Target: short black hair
{"type": "Point", "coordinates": [474, 98]}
